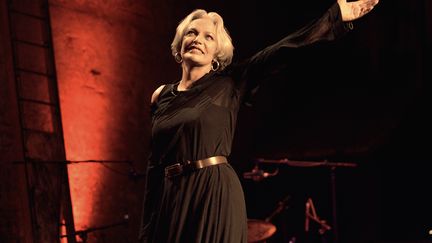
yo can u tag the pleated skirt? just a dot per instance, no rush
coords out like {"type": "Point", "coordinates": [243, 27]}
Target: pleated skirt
{"type": "Point", "coordinates": [204, 206]}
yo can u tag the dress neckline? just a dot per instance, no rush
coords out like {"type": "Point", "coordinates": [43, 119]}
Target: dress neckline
{"type": "Point", "coordinates": [174, 88]}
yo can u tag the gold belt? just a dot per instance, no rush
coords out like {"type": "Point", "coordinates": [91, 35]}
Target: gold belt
{"type": "Point", "coordinates": [180, 168]}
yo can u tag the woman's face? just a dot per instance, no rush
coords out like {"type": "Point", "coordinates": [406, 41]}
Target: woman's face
{"type": "Point", "coordinates": [199, 42]}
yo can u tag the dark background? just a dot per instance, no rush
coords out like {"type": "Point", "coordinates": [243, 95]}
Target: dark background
{"type": "Point", "coordinates": [363, 99]}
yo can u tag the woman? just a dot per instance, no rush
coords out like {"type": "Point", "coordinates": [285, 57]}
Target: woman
{"type": "Point", "coordinates": [192, 193]}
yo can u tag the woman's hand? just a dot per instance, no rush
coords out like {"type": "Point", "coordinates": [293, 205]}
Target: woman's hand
{"type": "Point", "coordinates": [353, 10]}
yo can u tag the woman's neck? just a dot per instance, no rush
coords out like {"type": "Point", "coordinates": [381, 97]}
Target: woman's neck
{"type": "Point", "coordinates": [191, 74]}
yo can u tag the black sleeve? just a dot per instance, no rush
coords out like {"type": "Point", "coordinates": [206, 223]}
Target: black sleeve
{"type": "Point", "coordinates": [249, 73]}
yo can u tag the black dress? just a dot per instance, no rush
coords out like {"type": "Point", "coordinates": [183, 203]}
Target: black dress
{"type": "Point", "coordinates": [207, 205]}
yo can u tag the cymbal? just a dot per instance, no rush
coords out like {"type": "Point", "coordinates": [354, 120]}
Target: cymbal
{"type": "Point", "coordinates": [259, 230]}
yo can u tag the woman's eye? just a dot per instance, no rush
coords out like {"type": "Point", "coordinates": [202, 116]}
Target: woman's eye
{"type": "Point", "coordinates": [209, 37]}
{"type": "Point", "coordinates": [190, 32]}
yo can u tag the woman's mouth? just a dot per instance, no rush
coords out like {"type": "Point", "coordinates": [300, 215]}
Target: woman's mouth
{"type": "Point", "coordinates": [194, 49]}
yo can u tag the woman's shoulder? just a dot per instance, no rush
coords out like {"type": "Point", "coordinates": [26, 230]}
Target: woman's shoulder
{"type": "Point", "coordinates": [156, 93]}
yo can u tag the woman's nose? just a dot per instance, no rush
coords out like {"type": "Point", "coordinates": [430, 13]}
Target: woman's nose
{"type": "Point", "coordinates": [197, 39]}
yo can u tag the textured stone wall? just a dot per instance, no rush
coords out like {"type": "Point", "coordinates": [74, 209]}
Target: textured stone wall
{"type": "Point", "coordinates": [110, 56]}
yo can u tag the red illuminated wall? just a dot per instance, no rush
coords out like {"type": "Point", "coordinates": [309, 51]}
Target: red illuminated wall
{"type": "Point", "coordinates": [108, 61]}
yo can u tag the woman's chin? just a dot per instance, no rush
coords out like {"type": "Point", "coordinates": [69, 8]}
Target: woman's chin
{"type": "Point", "coordinates": [195, 61]}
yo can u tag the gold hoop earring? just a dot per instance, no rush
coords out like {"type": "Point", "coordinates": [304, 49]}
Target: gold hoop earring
{"type": "Point", "coordinates": [215, 65]}
{"type": "Point", "coordinates": [178, 58]}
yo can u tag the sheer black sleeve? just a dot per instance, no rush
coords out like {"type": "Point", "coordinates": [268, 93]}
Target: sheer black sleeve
{"type": "Point", "coordinates": [249, 73]}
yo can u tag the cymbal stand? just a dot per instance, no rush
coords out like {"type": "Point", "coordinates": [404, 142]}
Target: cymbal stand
{"type": "Point", "coordinates": [282, 205]}
{"type": "Point", "coordinates": [311, 214]}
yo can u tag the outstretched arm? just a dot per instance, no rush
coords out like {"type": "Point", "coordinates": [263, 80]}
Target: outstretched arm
{"type": "Point", "coordinates": [354, 10]}
{"type": "Point", "coordinates": [334, 23]}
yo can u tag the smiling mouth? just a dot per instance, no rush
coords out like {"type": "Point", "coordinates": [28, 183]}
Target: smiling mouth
{"type": "Point", "coordinates": [192, 48]}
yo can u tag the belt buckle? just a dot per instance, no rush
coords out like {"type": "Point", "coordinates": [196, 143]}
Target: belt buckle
{"type": "Point", "coordinates": [173, 170]}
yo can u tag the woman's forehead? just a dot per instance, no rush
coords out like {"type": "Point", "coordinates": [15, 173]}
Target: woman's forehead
{"type": "Point", "coordinates": [202, 23]}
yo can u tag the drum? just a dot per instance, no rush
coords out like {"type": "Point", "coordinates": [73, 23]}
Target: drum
{"type": "Point", "coordinates": [259, 230]}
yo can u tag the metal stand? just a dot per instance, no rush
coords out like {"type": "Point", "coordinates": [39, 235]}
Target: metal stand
{"type": "Point", "coordinates": [83, 234]}
{"type": "Point", "coordinates": [71, 233]}
{"type": "Point", "coordinates": [332, 166]}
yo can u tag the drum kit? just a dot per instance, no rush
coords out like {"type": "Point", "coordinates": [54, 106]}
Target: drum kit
{"type": "Point", "coordinates": [259, 231]}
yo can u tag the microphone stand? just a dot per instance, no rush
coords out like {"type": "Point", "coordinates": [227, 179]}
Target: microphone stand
{"type": "Point", "coordinates": [83, 234]}
{"type": "Point", "coordinates": [133, 174]}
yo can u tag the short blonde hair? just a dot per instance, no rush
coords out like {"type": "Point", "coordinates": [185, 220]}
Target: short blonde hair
{"type": "Point", "coordinates": [225, 47]}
